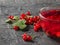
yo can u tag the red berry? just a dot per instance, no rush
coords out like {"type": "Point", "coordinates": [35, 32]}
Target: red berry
{"type": "Point", "coordinates": [38, 26]}
{"type": "Point", "coordinates": [31, 19]}
{"type": "Point", "coordinates": [16, 28]}
{"type": "Point", "coordinates": [35, 17]}
{"type": "Point", "coordinates": [28, 13]}
{"type": "Point", "coordinates": [26, 37]}
{"type": "Point", "coordinates": [38, 17]}
{"type": "Point", "coordinates": [27, 23]}
{"type": "Point", "coordinates": [10, 17]}
{"type": "Point", "coordinates": [29, 38]}
{"type": "Point", "coordinates": [34, 24]}
{"type": "Point", "coordinates": [23, 16]}
{"type": "Point", "coordinates": [24, 34]}
{"type": "Point", "coordinates": [35, 29]}
{"type": "Point", "coordinates": [38, 23]}
{"type": "Point", "coordinates": [30, 22]}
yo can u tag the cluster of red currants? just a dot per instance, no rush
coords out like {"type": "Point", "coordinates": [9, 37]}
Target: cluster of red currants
{"type": "Point", "coordinates": [37, 26]}
{"type": "Point", "coordinates": [30, 20]}
{"type": "Point", "coordinates": [26, 37]}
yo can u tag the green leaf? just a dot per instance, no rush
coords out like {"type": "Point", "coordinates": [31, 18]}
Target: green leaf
{"type": "Point", "coordinates": [23, 21]}
{"type": "Point", "coordinates": [8, 21]}
{"type": "Point", "coordinates": [23, 26]}
{"type": "Point", "coordinates": [16, 18]}
{"type": "Point", "coordinates": [20, 23]}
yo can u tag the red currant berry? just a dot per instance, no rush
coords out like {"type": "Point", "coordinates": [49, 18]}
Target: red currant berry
{"type": "Point", "coordinates": [30, 22]}
{"type": "Point", "coordinates": [34, 24]}
{"type": "Point", "coordinates": [38, 17]}
{"type": "Point", "coordinates": [16, 28]}
{"type": "Point", "coordinates": [35, 17]}
{"type": "Point", "coordinates": [26, 37]}
{"type": "Point", "coordinates": [10, 17]}
{"type": "Point", "coordinates": [23, 16]}
{"type": "Point", "coordinates": [24, 34]}
{"type": "Point", "coordinates": [31, 19]}
{"type": "Point", "coordinates": [29, 38]}
{"type": "Point", "coordinates": [35, 29]}
{"type": "Point", "coordinates": [28, 13]}
{"type": "Point", "coordinates": [37, 26]}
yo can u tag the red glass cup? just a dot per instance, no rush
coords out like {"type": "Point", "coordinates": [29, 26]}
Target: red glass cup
{"type": "Point", "coordinates": [50, 21]}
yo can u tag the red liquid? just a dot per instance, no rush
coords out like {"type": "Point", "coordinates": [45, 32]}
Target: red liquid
{"type": "Point", "coordinates": [51, 25]}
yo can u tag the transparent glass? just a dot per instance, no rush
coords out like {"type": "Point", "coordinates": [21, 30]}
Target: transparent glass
{"type": "Point", "coordinates": [49, 25]}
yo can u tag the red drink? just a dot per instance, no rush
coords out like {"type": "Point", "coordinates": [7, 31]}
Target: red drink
{"type": "Point", "coordinates": [50, 22]}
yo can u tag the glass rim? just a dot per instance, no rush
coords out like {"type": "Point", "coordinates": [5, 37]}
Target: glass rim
{"type": "Point", "coordinates": [41, 16]}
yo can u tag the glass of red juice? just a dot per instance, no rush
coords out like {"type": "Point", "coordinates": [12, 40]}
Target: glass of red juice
{"type": "Point", "coordinates": [50, 21]}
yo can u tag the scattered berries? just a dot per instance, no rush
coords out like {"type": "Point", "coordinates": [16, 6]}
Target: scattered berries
{"type": "Point", "coordinates": [26, 19]}
{"type": "Point", "coordinates": [22, 22]}
{"type": "Point", "coordinates": [29, 20]}
{"type": "Point", "coordinates": [26, 37]}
